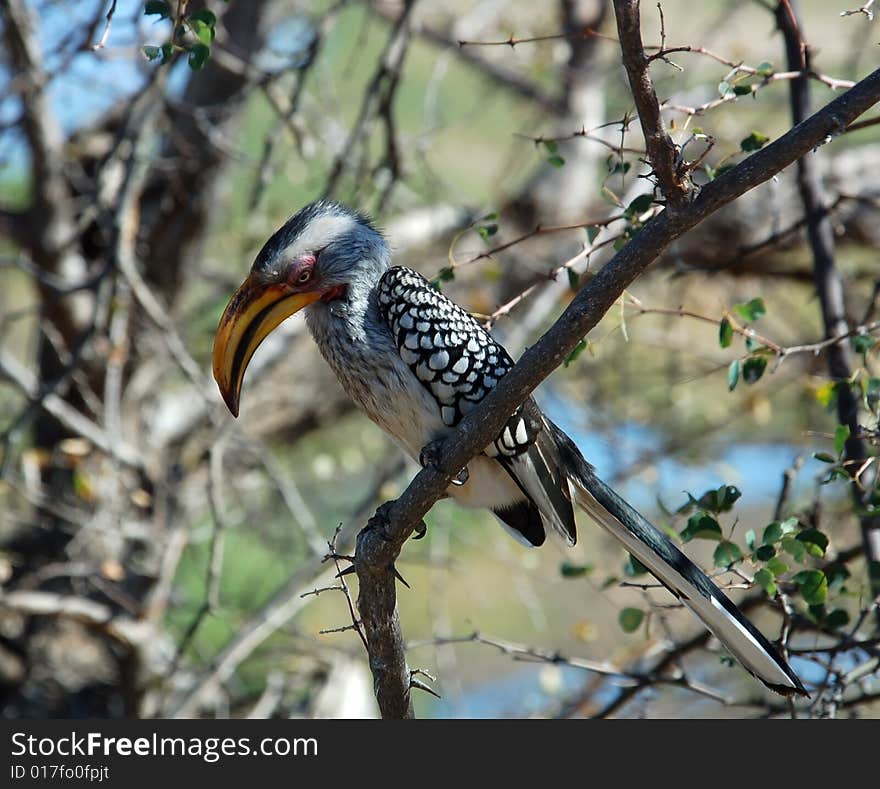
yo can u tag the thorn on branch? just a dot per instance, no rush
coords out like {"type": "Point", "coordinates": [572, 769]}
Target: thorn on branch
{"type": "Point", "coordinates": [102, 42]}
{"type": "Point", "coordinates": [353, 626]}
{"type": "Point", "coordinates": [414, 682]}
{"type": "Point", "coordinates": [318, 590]}
{"type": "Point", "coordinates": [865, 9]}
{"type": "Point", "coordinates": [399, 577]}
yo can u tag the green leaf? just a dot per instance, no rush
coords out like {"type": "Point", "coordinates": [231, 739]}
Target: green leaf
{"type": "Point", "coordinates": [726, 554]}
{"type": "Point", "coordinates": [723, 88]}
{"type": "Point", "coordinates": [575, 352]}
{"type": "Point", "coordinates": [732, 375]}
{"type": "Point", "coordinates": [813, 585]}
{"type": "Point", "coordinates": [789, 525]}
{"type": "Point", "coordinates": [764, 579]}
{"type": "Point", "coordinates": [765, 68]}
{"type": "Point", "coordinates": [751, 310]}
{"type": "Point", "coordinates": [551, 146]}
{"type": "Point", "coordinates": [487, 231]}
{"type": "Point", "coordinates": [754, 142]}
{"type": "Point", "coordinates": [776, 566]}
{"type": "Point", "coordinates": [198, 56]}
{"type": "Point", "coordinates": [574, 279]}
{"type": "Point", "coordinates": [742, 90]}
{"type": "Point", "coordinates": [753, 368]}
{"type": "Point", "coordinates": [152, 52]}
{"type": "Point", "coordinates": [157, 7]}
{"type": "Point", "coordinates": [641, 204]}
{"type": "Point", "coordinates": [797, 550]}
{"type": "Point", "coordinates": [765, 553]}
{"type": "Point", "coordinates": [841, 434]}
{"type": "Point", "coordinates": [837, 575]}
{"type": "Point", "coordinates": [872, 393]}
{"type": "Point", "coordinates": [701, 526]}
{"type": "Point", "coordinates": [634, 568]}
{"type": "Point", "coordinates": [827, 394]}
{"type": "Point", "coordinates": [445, 274]}
{"type": "Point", "coordinates": [615, 167]}
{"type": "Point", "coordinates": [725, 333]}
{"type": "Point", "coordinates": [863, 343]}
{"type": "Point", "coordinates": [816, 542]}
{"type": "Point", "coordinates": [836, 619]}
{"type": "Point", "coordinates": [772, 533]}
{"type": "Point", "coordinates": [556, 160]}
{"type": "Point", "coordinates": [206, 16]}
{"type": "Point", "coordinates": [824, 457]}
{"type": "Point", "coordinates": [204, 33]}
{"type": "Point", "coordinates": [750, 539]}
{"type": "Point", "coordinates": [592, 232]}
{"type": "Point", "coordinates": [719, 499]}
{"type": "Point", "coordinates": [569, 570]}
{"type": "Point", "coordinates": [631, 619]}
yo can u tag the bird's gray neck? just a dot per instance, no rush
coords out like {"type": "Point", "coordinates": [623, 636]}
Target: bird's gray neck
{"type": "Point", "coordinates": [344, 317]}
{"type": "Point", "coordinates": [346, 329]}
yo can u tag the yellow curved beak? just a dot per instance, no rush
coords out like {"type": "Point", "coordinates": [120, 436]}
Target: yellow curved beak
{"type": "Point", "coordinates": [254, 310]}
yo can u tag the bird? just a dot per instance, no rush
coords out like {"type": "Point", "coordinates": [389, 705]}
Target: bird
{"type": "Point", "coordinates": [417, 363]}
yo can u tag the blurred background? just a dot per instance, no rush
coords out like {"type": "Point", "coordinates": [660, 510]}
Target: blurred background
{"type": "Point", "coordinates": [154, 552]}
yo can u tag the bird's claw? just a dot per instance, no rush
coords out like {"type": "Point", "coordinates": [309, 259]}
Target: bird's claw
{"type": "Point", "coordinates": [430, 456]}
{"type": "Point", "coordinates": [380, 521]}
{"type": "Point", "coordinates": [421, 529]}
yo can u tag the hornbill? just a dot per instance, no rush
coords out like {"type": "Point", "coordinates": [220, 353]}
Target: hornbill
{"type": "Point", "coordinates": [416, 363]}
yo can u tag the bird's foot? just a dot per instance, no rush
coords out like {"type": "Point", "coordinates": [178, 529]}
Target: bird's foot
{"type": "Point", "coordinates": [421, 530]}
{"type": "Point", "coordinates": [380, 522]}
{"type": "Point", "coordinates": [430, 456]}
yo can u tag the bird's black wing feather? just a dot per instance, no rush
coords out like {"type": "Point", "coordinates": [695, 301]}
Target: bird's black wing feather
{"type": "Point", "coordinates": [459, 363]}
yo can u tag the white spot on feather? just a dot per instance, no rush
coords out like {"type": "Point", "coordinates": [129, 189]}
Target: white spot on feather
{"type": "Point", "coordinates": [438, 360]}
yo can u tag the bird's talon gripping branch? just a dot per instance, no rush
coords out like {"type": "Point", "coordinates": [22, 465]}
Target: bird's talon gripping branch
{"type": "Point", "coordinates": [431, 454]}
{"type": "Point", "coordinates": [417, 364]}
{"type": "Point", "coordinates": [421, 529]}
{"type": "Point", "coordinates": [380, 521]}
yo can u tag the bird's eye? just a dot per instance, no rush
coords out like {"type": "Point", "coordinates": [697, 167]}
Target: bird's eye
{"type": "Point", "coordinates": [304, 276]}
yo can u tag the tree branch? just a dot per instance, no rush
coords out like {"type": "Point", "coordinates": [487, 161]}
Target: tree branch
{"type": "Point", "coordinates": [829, 288]}
{"type": "Point", "coordinates": [671, 175]}
{"type": "Point", "coordinates": [379, 544]}
{"type": "Point", "coordinates": [501, 75]}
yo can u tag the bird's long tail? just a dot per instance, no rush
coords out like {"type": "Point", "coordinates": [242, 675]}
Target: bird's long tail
{"type": "Point", "coordinates": [676, 572]}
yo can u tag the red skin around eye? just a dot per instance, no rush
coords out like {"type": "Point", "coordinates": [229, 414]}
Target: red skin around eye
{"type": "Point", "coordinates": [304, 263]}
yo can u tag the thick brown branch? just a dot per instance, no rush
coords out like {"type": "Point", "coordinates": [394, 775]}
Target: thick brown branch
{"type": "Point", "coordinates": [378, 547]}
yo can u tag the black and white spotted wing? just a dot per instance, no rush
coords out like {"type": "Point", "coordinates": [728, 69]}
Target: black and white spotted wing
{"type": "Point", "coordinates": [451, 354]}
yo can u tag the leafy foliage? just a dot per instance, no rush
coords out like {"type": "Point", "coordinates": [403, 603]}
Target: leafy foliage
{"type": "Point", "coordinates": [192, 34]}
